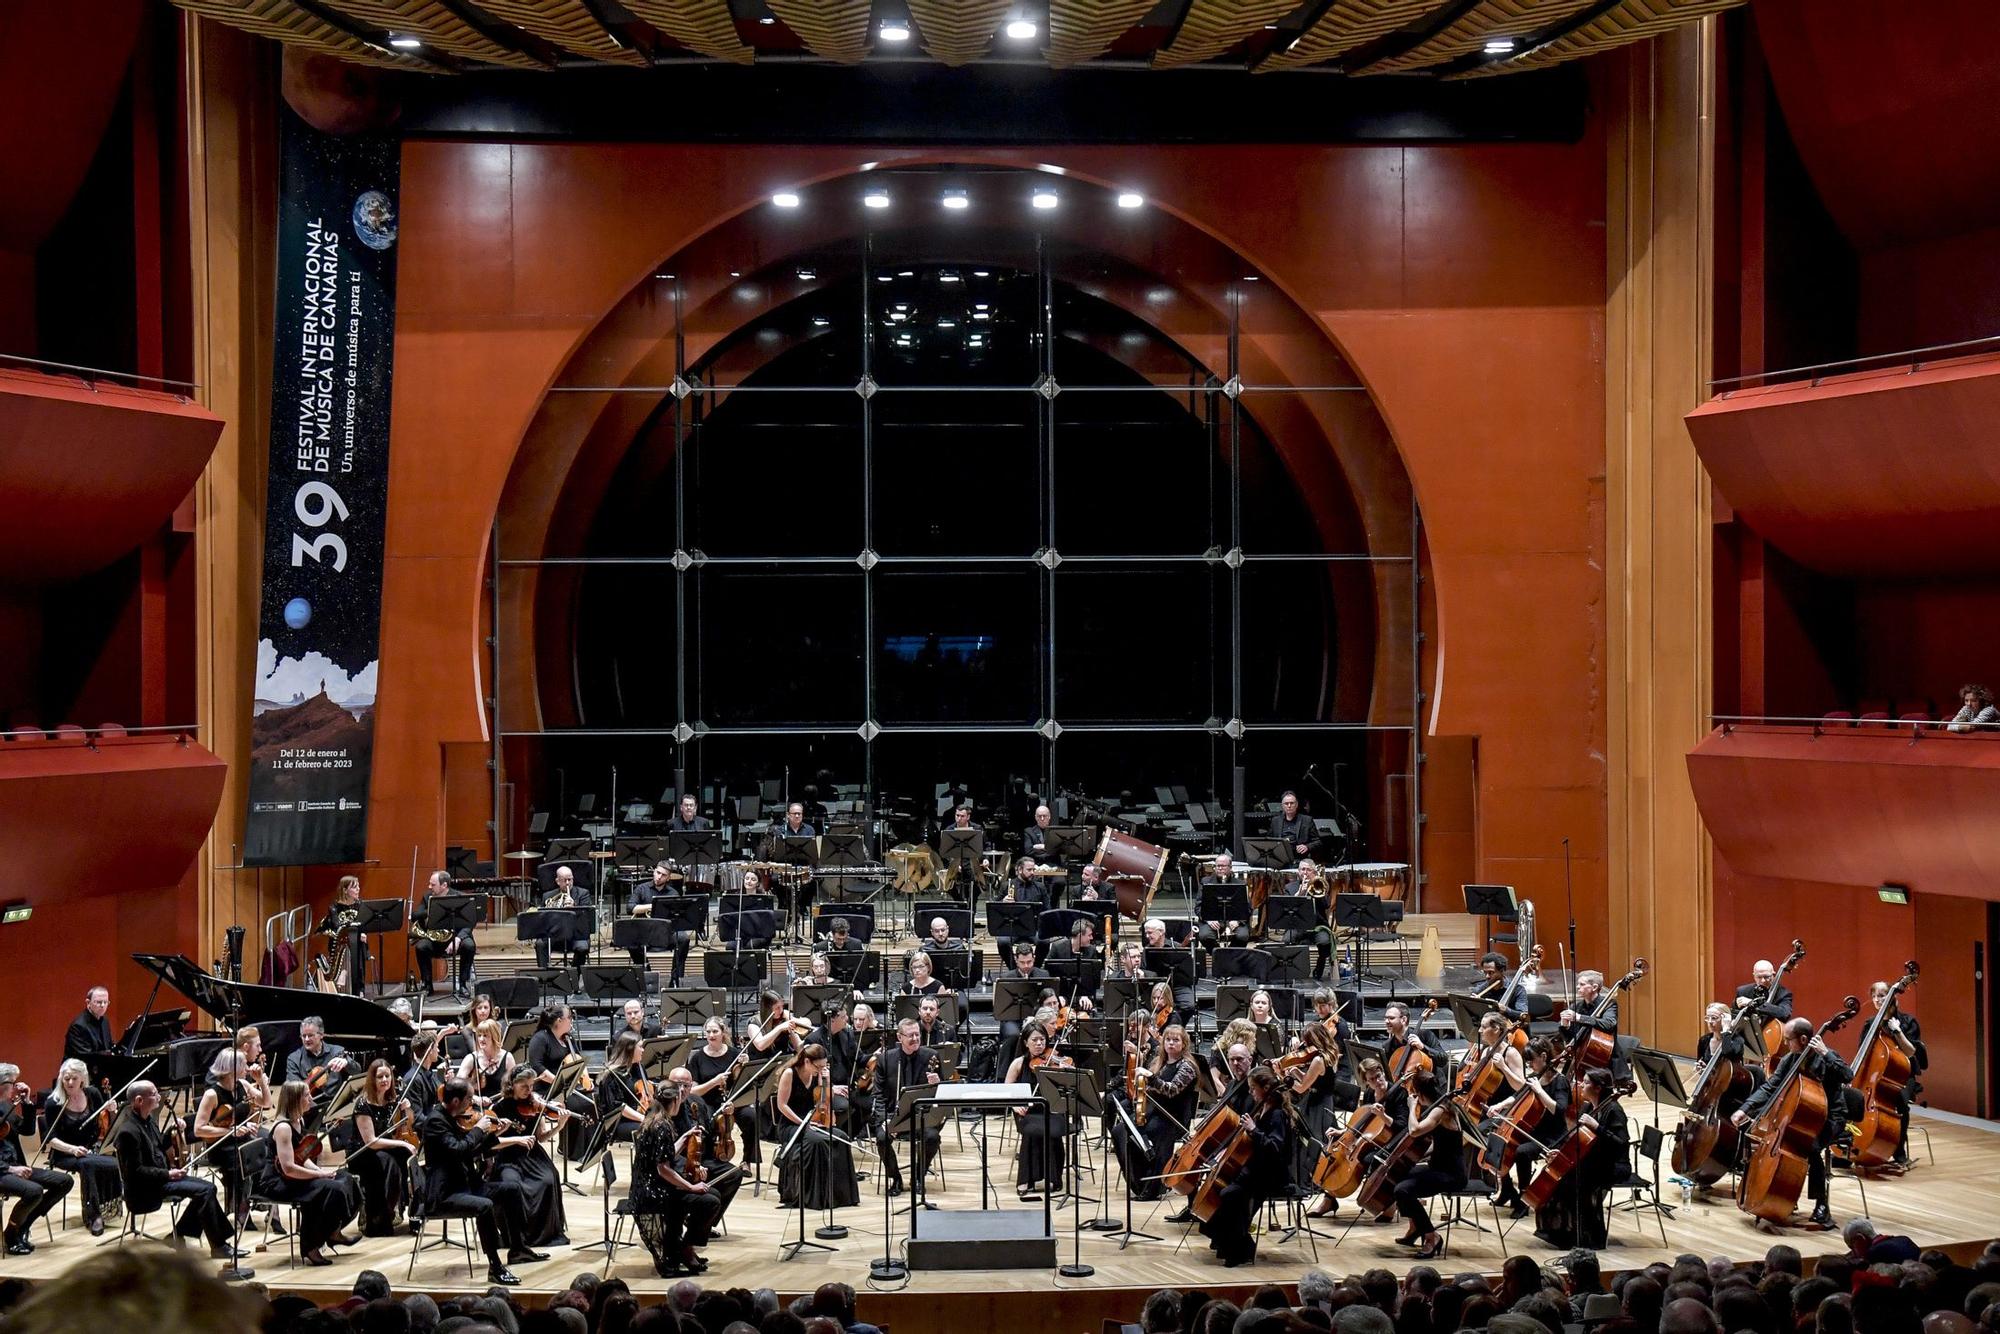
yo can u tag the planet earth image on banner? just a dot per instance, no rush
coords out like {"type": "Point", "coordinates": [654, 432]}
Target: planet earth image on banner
{"type": "Point", "coordinates": [375, 220]}
{"type": "Point", "coordinates": [298, 613]}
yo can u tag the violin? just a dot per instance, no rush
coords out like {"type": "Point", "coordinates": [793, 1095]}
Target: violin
{"type": "Point", "coordinates": [1881, 1073]}
{"type": "Point", "coordinates": [404, 1127]}
{"type": "Point", "coordinates": [1569, 1153]}
{"type": "Point", "coordinates": [1163, 1015]}
{"type": "Point", "coordinates": [866, 1079]}
{"type": "Point", "coordinates": [1784, 1138]}
{"type": "Point", "coordinates": [822, 1112]}
{"type": "Point", "coordinates": [691, 1167]}
{"type": "Point", "coordinates": [1051, 1060]}
{"type": "Point", "coordinates": [21, 1095]}
{"type": "Point", "coordinates": [177, 1146]}
{"type": "Point", "coordinates": [1411, 1059]}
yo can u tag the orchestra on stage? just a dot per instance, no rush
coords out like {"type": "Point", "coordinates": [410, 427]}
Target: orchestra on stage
{"type": "Point", "coordinates": [1227, 1061]}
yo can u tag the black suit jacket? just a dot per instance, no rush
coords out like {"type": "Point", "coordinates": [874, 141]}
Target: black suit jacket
{"type": "Point", "coordinates": [1035, 842]}
{"type": "Point", "coordinates": [86, 1035]}
{"type": "Point", "coordinates": [678, 826]}
{"type": "Point", "coordinates": [896, 1071]}
{"type": "Point", "coordinates": [1605, 1020]}
{"type": "Point", "coordinates": [1777, 1005]}
{"type": "Point", "coordinates": [841, 1050]}
{"type": "Point", "coordinates": [142, 1165]}
{"type": "Point", "coordinates": [451, 1155]}
{"type": "Point", "coordinates": [1832, 1073]}
{"type": "Point", "coordinates": [1293, 832]}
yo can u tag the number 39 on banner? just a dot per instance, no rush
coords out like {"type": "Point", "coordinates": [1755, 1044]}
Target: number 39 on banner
{"type": "Point", "coordinates": [316, 505]}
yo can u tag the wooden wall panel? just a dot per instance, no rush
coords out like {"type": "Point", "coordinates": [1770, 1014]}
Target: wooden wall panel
{"type": "Point", "coordinates": [1659, 99]}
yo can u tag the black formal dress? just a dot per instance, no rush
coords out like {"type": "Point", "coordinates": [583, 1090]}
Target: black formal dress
{"type": "Point", "coordinates": [724, 1178]}
{"type": "Point", "coordinates": [141, 1151]}
{"type": "Point", "coordinates": [97, 1171]}
{"type": "Point", "coordinates": [321, 1206]}
{"type": "Point", "coordinates": [1574, 1215]}
{"type": "Point", "coordinates": [750, 1118]}
{"type": "Point", "coordinates": [383, 1174]}
{"type": "Point", "coordinates": [670, 1220]}
{"type": "Point", "coordinates": [1442, 1171]}
{"type": "Point", "coordinates": [227, 1157]}
{"type": "Point", "coordinates": [815, 1164]}
{"type": "Point", "coordinates": [1039, 1157]}
{"type": "Point", "coordinates": [36, 1193]}
{"type": "Point", "coordinates": [530, 1174]}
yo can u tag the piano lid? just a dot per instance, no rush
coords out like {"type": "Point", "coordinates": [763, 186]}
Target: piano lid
{"type": "Point", "coordinates": [348, 1018]}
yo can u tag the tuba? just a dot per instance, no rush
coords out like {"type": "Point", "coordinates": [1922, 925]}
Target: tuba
{"type": "Point", "coordinates": [1524, 929]}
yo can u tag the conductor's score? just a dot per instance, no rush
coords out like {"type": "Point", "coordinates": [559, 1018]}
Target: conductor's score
{"type": "Point", "coordinates": [316, 504]}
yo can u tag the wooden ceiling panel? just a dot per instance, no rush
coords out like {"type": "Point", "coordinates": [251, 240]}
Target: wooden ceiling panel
{"type": "Point", "coordinates": [1346, 26]}
{"type": "Point", "coordinates": [1212, 27]}
{"type": "Point", "coordinates": [439, 28]}
{"type": "Point", "coordinates": [699, 25]}
{"type": "Point", "coordinates": [1484, 22]}
{"type": "Point", "coordinates": [835, 29]}
{"type": "Point", "coordinates": [569, 24]}
{"type": "Point", "coordinates": [1631, 21]}
{"type": "Point", "coordinates": [957, 32]}
{"type": "Point", "coordinates": [1081, 30]}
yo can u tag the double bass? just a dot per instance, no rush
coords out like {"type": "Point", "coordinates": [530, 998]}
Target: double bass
{"type": "Point", "coordinates": [1568, 1154]}
{"type": "Point", "coordinates": [1597, 1049]}
{"type": "Point", "coordinates": [1785, 1137]}
{"type": "Point", "coordinates": [1881, 1074]}
{"type": "Point", "coordinates": [1774, 1029]}
{"type": "Point", "coordinates": [1705, 1142]}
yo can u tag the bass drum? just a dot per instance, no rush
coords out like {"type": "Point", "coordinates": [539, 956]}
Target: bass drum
{"type": "Point", "coordinates": [1135, 867]}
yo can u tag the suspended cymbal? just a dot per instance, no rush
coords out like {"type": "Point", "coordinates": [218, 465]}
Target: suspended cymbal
{"type": "Point", "coordinates": [523, 856]}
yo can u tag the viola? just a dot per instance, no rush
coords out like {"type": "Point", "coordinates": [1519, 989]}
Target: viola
{"type": "Point", "coordinates": [691, 1167]}
{"type": "Point", "coordinates": [1597, 1049]}
{"type": "Point", "coordinates": [1569, 1153]}
{"type": "Point", "coordinates": [724, 1147]}
{"type": "Point", "coordinates": [1882, 1072]}
{"type": "Point", "coordinates": [1411, 1059]}
{"type": "Point", "coordinates": [1785, 1137]}
{"type": "Point", "coordinates": [866, 1079]}
{"type": "Point", "coordinates": [404, 1127]}
{"type": "Point", "coordinates": [822, 1112]}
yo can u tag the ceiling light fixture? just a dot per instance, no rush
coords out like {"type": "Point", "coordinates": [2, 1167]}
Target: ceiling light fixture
{"type": "Point", "coordinates": [981, 315]}
{"type": "Point", "coordinates": [766, 21]}
{"type": "Point", "coordinates": [877, 198]}
{"type": "Point", "coordinates": [821, 321]}
{"type": "Point", "coordinates": [956, 200]}
{"type": "Point", "coordinates": [1045, 199]}
{"type": "Point", "coordinates": [948, 277]}
{"type": "Point", "coordinates": [894, 30]}
{"type": "Point", "coordinates": [980, 273]}
{"type": "Point", "coordinates": [1022, 30]}
{"type": "Point", "coordinates": [807, 275]}
{"type": "Point", "coordinates": [947, 324]}
{"type": "Point", "coordinates": [404, 42]}
{"type": "Point", "coordinates": [785, 199]}
{"type": "Point", "coordinates": [1129, 199]}
{"type": "Point", "coordinates": [1499, 46]}
{"type": "Point", "coordinates": [884, 278]}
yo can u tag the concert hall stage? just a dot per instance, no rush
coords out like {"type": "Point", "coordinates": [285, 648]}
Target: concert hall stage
{"type": "Point", "coordinates": [1954, 1202]}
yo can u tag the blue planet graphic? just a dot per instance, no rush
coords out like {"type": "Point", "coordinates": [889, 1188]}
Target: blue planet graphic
{"type": "Point", "coordinates": [298, 613]}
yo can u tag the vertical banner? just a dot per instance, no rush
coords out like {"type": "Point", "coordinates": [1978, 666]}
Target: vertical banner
{"type": "Point", "coordinates": [313, 716]}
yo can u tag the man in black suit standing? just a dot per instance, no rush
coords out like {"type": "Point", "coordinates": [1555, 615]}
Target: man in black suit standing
{"type": "Point", "coordinates": [907, 1063]}
{"type": "Point", "coordinates": [90, 1032]}
{"type": "Point", "coordinates": [149, 1183]}
{"type": "Point", "coordinates": [687, 818]}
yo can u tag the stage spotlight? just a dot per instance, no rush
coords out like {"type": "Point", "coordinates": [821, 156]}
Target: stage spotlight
{"type": "Point", "coordinates": [1022, 30]}
{"type": "Point", "coordinates": [1045, 199]}
{"type": "Point", "coordinates": [877, 198]}
{"type": "Point", "coordinates": [821, 321]}
{"type": "Point", "coordinates": [1499, 46]}
{"type": "Point", "coordinates": [894, 30]}
{"type": "Point", "coordinates": [956, 200]}
{"type": "Point", "coordinates": [785, 199]}
{"type": "Point", "coordinates": [1130, 200]}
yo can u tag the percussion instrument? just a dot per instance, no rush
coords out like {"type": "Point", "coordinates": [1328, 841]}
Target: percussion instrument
{"type": "Point", "coordinates": [915, 868]}
{"type": "Point", "coordinates": [1121, 854]}
{"type": "Point", "coordinates": [1385, 880]}
{"type": "Point", "coordinates": [524, 856]}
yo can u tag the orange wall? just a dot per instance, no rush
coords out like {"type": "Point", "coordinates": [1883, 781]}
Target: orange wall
{"type": "Point", "coordinates": [1465, 284]}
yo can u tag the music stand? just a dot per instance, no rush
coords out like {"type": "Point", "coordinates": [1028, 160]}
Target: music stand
{"type": "Point", "coordinates": [1660, 1076]}
{"type": "Point", "coordinates": [622, 981]}
{"type": "Point", "coordinates": [860, 969]}
{"type": "Point", "coordinates": [956, 970]}
{"type": "Point", "coordinates": [1066, 845]}
{"type": "Point", "coordinates": [1358, 915]}
{"type": "Point", "coordinates": [453, 912]}
{"type": "Point", "coordinates": [1465, 1012]}
{"type": "Point", "coordinates": [648, 933]}
{"type": "Point", "coordinates": [694, 847]}
{"type": "Point", "coordinates": [964, 849]}
{"type": "Point", "coordinates": [1225, 901]}
{"type": "Point", "coordinates": [459, 863]}
{"type": "Point", "coordinates": [511, 995]}
{"type": "Point", "coordinates": [957, 920]}
{"type": "Point", "coordinates": [1057, 923]}
{"type": "Point", "coordinates": [642, 850]}
{"type": "Point", "coordinates": [1293, 912]}
{"type": "Point", "coordinates": [1359, 1051]}
{"type": "Point", "coordinates": [1176, 965]}
{"type": "Point", "coordinates": [811, 1002]}
{"type": "Point", "coordinates": [1078, 1090]}
{"type": "Point", "coordinates": [1237, 961]}
{"type": "Point", "coordinates": [1011, 921]}
{"type": "Point", "coordinates": [1268, 854]}
{"type": "Point", "coordinates": [735, 971]}
{"type": "Point", "coordinates": [691, 1005]}
{"type": "Point", "coordinates": [840, 856]}
{"type": "Point", "coordinates": [514, 1041]}
{"type": "Point", "coordinates": [658, 1056]}
{"type": "Point", "coordinates": [1014, 998]}
{"type": "Point", "coordinates": [1286, 965]}
{"type": "Point", "coordinates": [1076, 977]}
{"type": "Point", "coordinates": [860, 921]}
{"type": "Point", "coordinates": [1124, 994]}
{"type": "Point", "coordinates": [567, 850]}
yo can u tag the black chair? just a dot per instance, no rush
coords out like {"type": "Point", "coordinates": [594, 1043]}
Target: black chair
{"type": "Point", "coordinates": [254, 1155]}
{"type": "Point", "coordinates": [444, 1216]}
{"type": "Point", "coordinates": [1644, 1193]}
{"type": "Point", "coordinates": [1478, 1192]}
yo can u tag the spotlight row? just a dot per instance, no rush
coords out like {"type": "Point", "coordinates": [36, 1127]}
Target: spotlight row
{"type": "Point", "coordinates": [1044, 197]}
{"type": "Point", "coordinates": [897, 31]}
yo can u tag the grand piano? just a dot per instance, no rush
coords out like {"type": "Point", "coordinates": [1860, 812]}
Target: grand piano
{"type": "Point", "coordinates": [179, 1059]}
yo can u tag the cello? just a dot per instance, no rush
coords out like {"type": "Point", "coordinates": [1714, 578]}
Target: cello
{"type": "Point", "coordinates": [1598, 1047]}
{"type": "Point", "coordinates": [1785, 1137]}
{"type": "Point", "coordinates": [1705, 1142]}
{"type": "Point", "coordinates": [1206, 1138]}
{"type": "Point", "coordinates": [1411, 1059]}
{"type": "Point", "coordinates": [1344, 1164]}
{"type": "Point", "coordinates": [1377, 1192]}
{"type": "Point", "coordinates": [1568, 1154]}
{"type": "Point", "coordinates": [1774, 1029]}
{"type": "Point", "coordinates": [1881, 1074]}
{"type": "Point", "coordinates": [1482, 1080]}
{"type": "Point", "coordinates": [1518, 1126]}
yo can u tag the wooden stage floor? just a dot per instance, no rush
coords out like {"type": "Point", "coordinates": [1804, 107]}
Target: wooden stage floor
{"type": "Point", "coordinates": [1954, 1201]}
